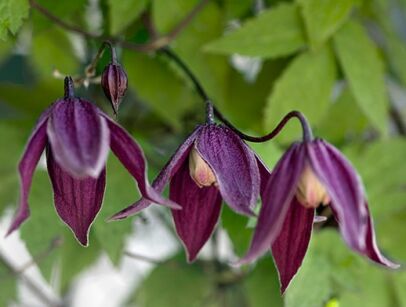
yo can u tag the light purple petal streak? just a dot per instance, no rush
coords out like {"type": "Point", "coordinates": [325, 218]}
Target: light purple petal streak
{"type": "Point", "coordinates": [32, 153]}
{"type": "Point", "coordinates": [77, 200]}
{"type": "Point", "coordinates": [291, 245]}
{"type": "Point", "coordinates": [200, 211]}
{"type": "Point", "coordinates": [345, 189]}
{"type": "Point", "coordinates": [277, 198]}
{"type": "Point", "coordinates": [234, 166]}
{"type": "Point", "coordinates": [132, 157]}
{"type": "Point", "coordinates": [79, 137]}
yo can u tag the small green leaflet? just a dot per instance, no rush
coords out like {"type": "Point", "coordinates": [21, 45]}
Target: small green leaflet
{"type": "Point", "coordinates": [12, 15]}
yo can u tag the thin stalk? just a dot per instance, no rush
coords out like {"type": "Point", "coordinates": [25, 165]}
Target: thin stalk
{"type": "Point", "coordinates": [212, 110]}
{"type": "Point", "coordinates": [153, 45]}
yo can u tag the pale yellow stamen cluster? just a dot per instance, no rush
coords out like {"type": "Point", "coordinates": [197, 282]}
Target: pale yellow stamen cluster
{"type": "Point", "coordinates": [310, 191]}
{"type": "Point", "coordinates": [200, 172]}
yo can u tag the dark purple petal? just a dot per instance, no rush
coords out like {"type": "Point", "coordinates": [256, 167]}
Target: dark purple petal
{"type": "Point", "coordinates": [200, 211]}
{"type": "Point", "coordinates": [345, 189]}
{"type": "Point", "coordinates": [79, 137]}
{"type": "Point", "coordinates": [77, 200]}
{"type": "Point", "coordinates": [132, 157]}
{"type": "Point", "coordinates": [32, 153]}
{"type": "Point", "coordinates": [163, 177]}
{"type": "Point", "coordinates": [280, 190]}
{"type": "Point", "coordinates": [265, 174]}
{"type": "Point", "coordinates": [234, 165]}
{"type": "Point", "coordinates": [114, 83]}
{"type": "Point", "coordinates": [290, 246]}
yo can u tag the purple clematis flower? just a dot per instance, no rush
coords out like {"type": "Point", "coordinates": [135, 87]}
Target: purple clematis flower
{"type": "Point", "coordinates": [77, 136]}
{"type": "Point", "coordinates": [309, 174]}
{"type": "Point", "coordinates": [212, 165]}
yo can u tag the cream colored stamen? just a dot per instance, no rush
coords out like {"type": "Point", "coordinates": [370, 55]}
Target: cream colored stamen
{"type": "Point", "coordinates": [200, 171]}
{"type": "Point", "coordinates": [310, 191]}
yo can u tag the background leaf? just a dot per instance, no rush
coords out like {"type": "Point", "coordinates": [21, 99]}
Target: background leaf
{"type": "Point", "coordinates": [274, 33]}
{"type": "Point", "coordinates": [364, 69]}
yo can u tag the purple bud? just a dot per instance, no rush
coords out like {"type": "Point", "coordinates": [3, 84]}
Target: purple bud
{"type": "Point", "coordinates": [114, 82]}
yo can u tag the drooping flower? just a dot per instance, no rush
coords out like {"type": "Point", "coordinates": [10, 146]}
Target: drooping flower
{"type": "Point", "coordinates": [311, 173]}
{"type": "Point", "coordinates": [77, 136]}
{"type": "Point", "coordinates": [213, 164]}
{"type": "Point", "coordinates": [114, 83]}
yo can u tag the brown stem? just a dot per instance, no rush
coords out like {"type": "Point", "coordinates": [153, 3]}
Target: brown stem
{"type": "Point", "coordinates": [142, 258]}
{"type": "Point", "coordinates": [153, 45]}
{"type": "Point", "coordinates": [36, 290]}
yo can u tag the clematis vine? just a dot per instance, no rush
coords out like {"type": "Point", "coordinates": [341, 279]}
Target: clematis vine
{"type": "Point", "coordinates": [309, 174]}
{"type": "Point", "coordinates": [213, 164]}
{"type": "Point", "coordinates": [77, 136]}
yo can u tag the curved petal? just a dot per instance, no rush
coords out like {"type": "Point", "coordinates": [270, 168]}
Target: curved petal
{"type": "Point", "coordinates": [200, 211]}
{"type": "Point", "coordinates": [32, 153]}
{"type": "Point", "coordinates": [77, 200]}
{"type": "Point", "coordinates": [290, 246]}
{"type": "Point", "coordinates": [265, 175]}
{"type": "Point", "coordinates": [370, 249]}
{"type": "Point", "coordinates": [79, 137]}
{"type": "Point", "coordinates": [234, 165]}
{"type": "Point", "coordinates": [280, 190]}
{"type": "Point", "coordinates": [163, 177]}
{"type": "Point", "coordinates": [345, 189]}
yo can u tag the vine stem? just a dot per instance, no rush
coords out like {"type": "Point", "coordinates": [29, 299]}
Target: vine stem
{"type": "Point", "coordinates": [212, 110]}
{"type": "Point", "coordinates": [36, 290]}
{"type": "Point", "coordinates": [153, 45]}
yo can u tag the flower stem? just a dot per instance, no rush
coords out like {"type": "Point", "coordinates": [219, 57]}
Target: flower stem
{"type": "Point", "coordinates": [210, 109]}
{"type": "Point", "coordinates": [69, 88]}
{"type": "Point", "coordinates": [307, 131]}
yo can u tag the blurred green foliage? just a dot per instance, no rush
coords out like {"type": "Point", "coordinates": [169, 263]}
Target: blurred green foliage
{"type": "Point", "coordinates": [336, 61]}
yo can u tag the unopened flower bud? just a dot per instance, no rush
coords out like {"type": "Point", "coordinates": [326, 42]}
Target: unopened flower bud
{"type": "Point", "coordinates": [311, 192]}
{"type": "Point", "coordinates": [114, 82]}
{"type": "Point", "coordinates": [200, 172]}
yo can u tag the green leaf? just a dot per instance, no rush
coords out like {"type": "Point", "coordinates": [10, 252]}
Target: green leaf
{"type": "Point", "coordinates": [323, 17]}
{"type": "Point", "coordinates": [168, 14]}
{"type": "Point", "coordinates": [386, 194]}
{"type": "Point", "coordinates": [274, 33]}
{"type": "Point", "coordinates": [74, 258]}
{"type": "Point", "coordinates": [236, 9]}
{"type": "Point", "coordinates": [174, 283]}
{"type": "Point", "coordinates": [262, 285]}
{"type": "Point", "coordinates": [43, 225]}
{"type": "Point", "coordinates": [123, 13]}
{"type": "Point", "coordinates": [352, 124]}
{"type": "Point", "coordinates": [245, 101]}
{"type": "Point", "coordinates": [396, 56]}
{"type": "Point", "coordinates": [364, 70]}
{"type": "Point", "coordinates": [121, 191]}
{"type": "Point", "coordinates": [158, 86]}
{"type": "Point", "coordinates": [237, 229]}
{"type": "Point", "coordinates": [305, 85]}
{"type": "Point", "coordinates": [311, 286]}
{"type": "Point", "coordinates": [52, 50]}
{"type": "Point", "coordinates": [8, 286]}
{"type": "Point", "coordinates": [12, 140]}
{"type": "Point", "coordinates": [12, 15]}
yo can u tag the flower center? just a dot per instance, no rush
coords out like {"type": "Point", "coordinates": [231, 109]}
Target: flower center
{"type": "Point", "coordinates": [310, 191]}
{"type": "Point", "coordinates": [200, 172]}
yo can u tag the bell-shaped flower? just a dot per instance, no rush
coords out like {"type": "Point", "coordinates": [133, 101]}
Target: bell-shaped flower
{"type": "Point", "coordinates": [311, 173]}
{"type": "Point", "coordinates": [77, 137]}
{"type": "Point", "coordinates": [213, 164]}
{"type": "Point", "coordinates": [114, 83]}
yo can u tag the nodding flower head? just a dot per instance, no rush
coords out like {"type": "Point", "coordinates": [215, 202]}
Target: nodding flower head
{"type": "Point", "coordinates": [311, 173]}
{"type": "Point", "coordinates": [77, 137]}
{"type": "Point", "coordinates": [213, 164]}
